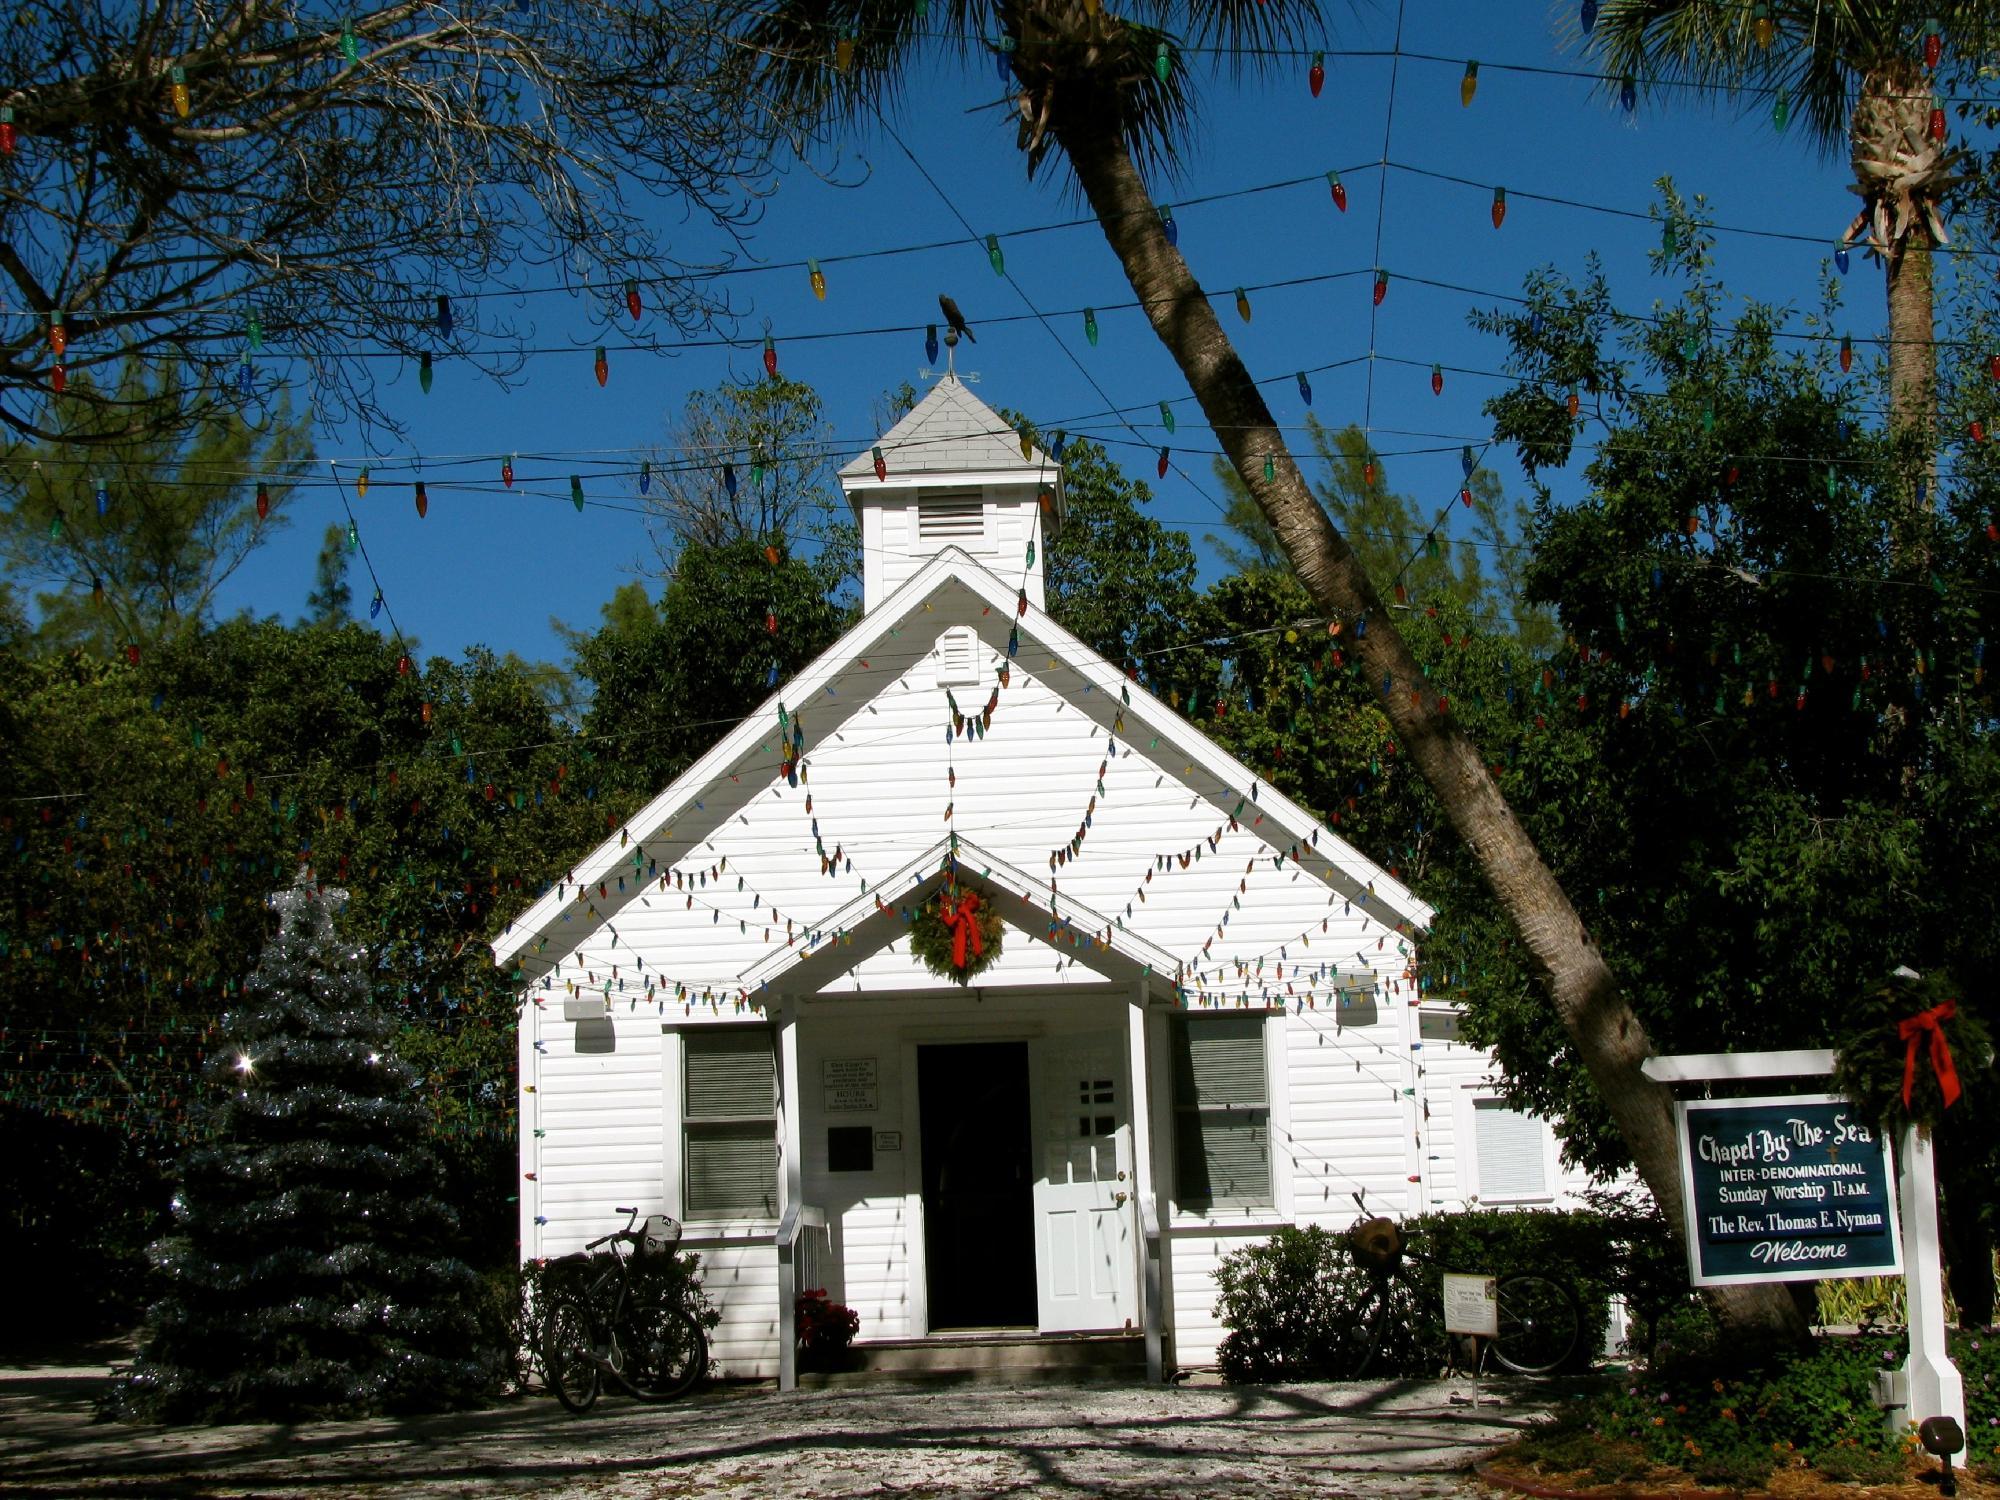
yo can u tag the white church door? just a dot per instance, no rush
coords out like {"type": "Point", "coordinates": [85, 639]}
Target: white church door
{"type": "Point", "coordinates": [1086, 1209]}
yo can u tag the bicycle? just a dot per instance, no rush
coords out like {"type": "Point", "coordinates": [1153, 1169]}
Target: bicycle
{"type": "Point", "coordinates": [1539, 1320]}
{"type": "Point", "coordinates": [656, 1353]}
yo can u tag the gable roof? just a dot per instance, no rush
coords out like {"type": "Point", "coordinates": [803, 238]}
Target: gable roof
{"type": "Point", "coordinates": [950, 432]}
{"type": "Point", "coordinates": [872, 921]}
{"type": "Point", "coordinates": [739, 766]}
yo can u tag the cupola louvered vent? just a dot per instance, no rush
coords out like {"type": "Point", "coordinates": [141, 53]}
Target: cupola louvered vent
{"type": "Point", "coordinates": [951, 517]}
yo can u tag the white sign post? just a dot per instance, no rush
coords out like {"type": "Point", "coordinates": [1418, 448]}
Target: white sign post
{"type": "Point", "coordinates": [1928, 1385]}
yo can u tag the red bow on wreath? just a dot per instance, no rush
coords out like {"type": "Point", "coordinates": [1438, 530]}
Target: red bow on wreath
{"type": "Point", "coordinates": [1912, 1032]}
{"type": "Point", "coordinates": [958, 917]}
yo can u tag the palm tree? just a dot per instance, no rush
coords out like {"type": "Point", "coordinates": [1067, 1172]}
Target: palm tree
{"type": "Point", "coordinates": [1849, 72]}
{"type": "Point", "coordinates": [1113, 95]}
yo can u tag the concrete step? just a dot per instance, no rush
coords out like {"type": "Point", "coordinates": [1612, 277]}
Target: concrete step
{"type": "Point", "coordinates": [991, 1355]}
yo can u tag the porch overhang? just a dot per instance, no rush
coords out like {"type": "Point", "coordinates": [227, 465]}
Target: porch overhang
{"type": "Point", "coordinates": [870, 922]}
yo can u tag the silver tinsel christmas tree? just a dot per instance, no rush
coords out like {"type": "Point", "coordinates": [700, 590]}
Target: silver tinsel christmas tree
{"type": "Point", "coordinates": [305, 1276]}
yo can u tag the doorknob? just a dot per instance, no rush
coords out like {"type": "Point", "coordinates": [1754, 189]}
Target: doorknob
{"type": "Point", "coordinates": [1118, 1200]}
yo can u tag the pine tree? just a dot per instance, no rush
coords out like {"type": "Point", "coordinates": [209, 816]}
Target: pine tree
{"type": "Point", "coordinates": [305, 1277]}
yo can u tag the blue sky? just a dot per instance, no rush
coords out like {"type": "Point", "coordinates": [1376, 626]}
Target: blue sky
{"type": "Point", "coordinates": [494, 568]}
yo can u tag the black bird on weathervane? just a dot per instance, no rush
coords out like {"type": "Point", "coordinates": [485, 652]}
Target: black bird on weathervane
{"type": "Point", "coordinates": [954, 319]}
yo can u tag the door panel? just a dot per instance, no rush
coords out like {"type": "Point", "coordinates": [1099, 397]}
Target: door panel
{"type": "Point", "coordinates": [1086, 1217]}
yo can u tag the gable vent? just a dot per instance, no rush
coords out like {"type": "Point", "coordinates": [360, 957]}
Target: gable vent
{"type": "Point", "coordinates": [958, 657]}
{"type": "Point", "coordinates": [948, 516]}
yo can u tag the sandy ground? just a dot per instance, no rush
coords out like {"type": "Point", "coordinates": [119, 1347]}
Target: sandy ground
{"type": "Point", "coordinates": [1200, 1443]}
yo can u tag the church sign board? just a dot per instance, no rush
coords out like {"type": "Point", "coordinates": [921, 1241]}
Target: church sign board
{"type": "Point", "coordinates": [1796, 1188]}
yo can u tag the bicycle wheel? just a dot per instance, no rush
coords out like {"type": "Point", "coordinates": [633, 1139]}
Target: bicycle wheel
{"type": "Point", "coordinates": [672, 1357]}
{"type": "Point", "coordinates": [568, 1368]}
{"type": "Point", "coordinates": [1539, 1325]}
{"type": "Point", "coordinates": [1384, 1321]}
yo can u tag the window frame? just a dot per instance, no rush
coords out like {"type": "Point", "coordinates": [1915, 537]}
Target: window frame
{"type": "Point", "coordinates": [1209, 1210]}
{"type": "Point", "coordinates": [687, 1126]}
{"type": "Point", "coordinates": [1483, 1096]}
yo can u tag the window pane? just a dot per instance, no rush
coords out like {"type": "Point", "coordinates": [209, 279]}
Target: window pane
{"type": "Point", "coordinates": [730, 1073]}
{"type": "Point", "coordinates": [1219, 1061]}
{"type": "Point", "coordinates": [1223, 1160]}
{"type": "Point", "coordinates": [732, 1172]}
{"type": "Point", "coordinates": [1513, 1162]}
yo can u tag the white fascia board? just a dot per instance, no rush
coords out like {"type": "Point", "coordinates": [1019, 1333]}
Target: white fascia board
{"type": "Point", "coordinates": [609, 859]}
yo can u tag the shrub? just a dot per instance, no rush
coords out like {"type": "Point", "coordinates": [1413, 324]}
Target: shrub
{"type": "Point", "coordinates": [1289, 1305]}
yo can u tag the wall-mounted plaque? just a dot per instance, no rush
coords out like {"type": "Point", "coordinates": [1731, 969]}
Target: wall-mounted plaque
{"type": "Point", "coordinates": [850, 1086]}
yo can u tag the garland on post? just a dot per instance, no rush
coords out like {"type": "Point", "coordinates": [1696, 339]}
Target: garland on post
{"type": "Point", "coordinates": [956, 934]}
{"type": "Point", "coordinates": [1900, 1058]}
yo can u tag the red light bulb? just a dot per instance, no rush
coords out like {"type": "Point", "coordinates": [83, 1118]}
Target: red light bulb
{"type": "Point", "coordinates": [423, 501]}
{"type": "Point", "coordinates": [1437, 380]}
{"type": "Point", "coordinates": [507, 472]}
{"type": "Point", "coordinates": [1339, 192]}
{"type": "Point", "coordinates": [1499, 207]}
{"type": "Point", "coordinates": [263, 500]}
{"type": "Point", "coordinates": [1381, 286]}
{"type": "Point", "coordinates": [1161, 466]}
{"type": "Point", "coordinates": [602, 367]}
{"type": "Point", "coordinates": [770, 357]}
{"type": "Point", "coordinates": [58, 379]}
{"type": "Point", "coordinates": [1316, 74]}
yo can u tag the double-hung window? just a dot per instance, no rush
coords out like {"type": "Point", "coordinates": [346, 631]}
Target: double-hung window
{"type": "Point", "coordinates": [729, 1123]}
{"type": "Point", "coordinates": [1222, 1113]}
{"type": "Point", "coordinates": [1511, 1154]}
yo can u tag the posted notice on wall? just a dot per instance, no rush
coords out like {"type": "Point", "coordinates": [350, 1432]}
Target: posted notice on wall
{"type": "Point", "coordinates": [1786, 1189]}
{"type": "Point", "coordinates": [849, 1085]}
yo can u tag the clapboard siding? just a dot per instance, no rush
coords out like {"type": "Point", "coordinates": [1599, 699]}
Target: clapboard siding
{"type": "Point", "coordinates": [1195, 1255]}
{"type": "Point", "coordinates": [741, 1280]}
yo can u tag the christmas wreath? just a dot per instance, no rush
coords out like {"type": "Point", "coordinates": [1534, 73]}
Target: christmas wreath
{"type": "Point", "coordinates": [956, 934]}
{"type": "Point", "coordinates": [1900, 1057]}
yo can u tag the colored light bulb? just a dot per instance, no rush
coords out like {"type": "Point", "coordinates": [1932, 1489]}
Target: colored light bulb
{"type": "Point", "coordinates": [1993, 366]}
{"type": "Point", "coordinates": [1437, 380]}
{"type": "Point", "coordinates": [1316, 74]}
{"type": "Point", "coordinates": [930, 342]}
{"type": "Point", "coordinates": [994, 257]}
{"type": "Point", "coordinates": [103, 500]}
{"type": "Point", "coordinates": [1168, 226]}
{"type": "Point", "coordinates": [1499, 207]}
{"type": "Point", "coordinates": [423, 501]}
{"type": "Point", "coordinates": [56, 527]}
{"type": "Point", "coordinates": [843, 54]}
{"type": "Point", "coordinates": [353, 536]}
{"type": "Point", "coordinates": [1090, 325]}
{"type": "Point", "coordinates": [1468, 85]}
{"type": "Point", "coordinates": [507, 471]}
{"type": "Point", "coordinates": [770, 357]}
{"type": "Point", "coordinates": [1270, 469]}
{"type": "Point", "coordinates": [1781, 110]}
{"type": "Point", "coordinates": [7, 128]}
{"type": "Point", "coordinates": [361, 484]}
{"type": "Point", "coordinates": [180, 92]}
{"type": "Point", "coordinates": [1466, 462]}
{"type": "Point", "coordinates": [58, 334]}
{"type": "Point", "coordinates": [818, 278]}
{"type": "Point", "coordinates": [424, 373]}
{"type": "Point", "coordinates": [1628, 93]}
{"type": "Point", "coordinates": [646, 476]}
{"type": "Point", "coordinates": [1167, 417]}
{"type": "Point", "coordinates": [1763, 27]}
{"type": "Point", "coordinates": [444, 315]}
{"type": "Point", "coordinates": [601, 367]}
{"type": "Point", "coordinates": [1242, 304]}
{"type": "Point", "coordinates": [58, 378]}
{"type": "Point", "coordinates": [729, 479]}
{"type": "Point", "coordinates": [375, 605]}
{"type": "Point", "coordinates": [1381, 285]}
{"type": "Point", "coordinates": [1305, 389]}
{"type": "Point", "coordinates": [1163, 63]}
{"type": "Point", "coordinates": [1846, 354]}
{"type": "Point", "coordinates": [350, 45]}
{"type": "Point", "coordinates": [1933, 43]}
{"type": "Point", "coordinates": [576, 492]}
{"type": "Point", "coordinates": [1937, 124]}
{"type": "Point", "coordinates": [1587, 14]}
{"type": "Point", "coordinates": [1840, 260]}
{"type": "Point", "coordinates": [1161, 466]}
{"type": "Point", "coordinates": [246, 379]}
{"type": "Point", "coordinates": [632, 303]}
{"type": "Point", "coordinates": [1977, 430]}
{"type": "Point", "coordinates": [253, 330]}
{"type": "Point", "coordinates": [881, 464]}
{"type": "Point", "coordinates": [1573, 402]}
{"type": "Point", "coordinates": [1027, 442]}
{"type": "Point", "coordinates": [1338, 189]}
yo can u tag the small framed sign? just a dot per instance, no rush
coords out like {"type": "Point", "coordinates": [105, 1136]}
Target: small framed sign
{"type": "Point", "coordinates": [1472, 1305]}
{"type": "Point", "coordinates": [849, 1084]}
{"type": "Point", "coordinates": [888, 1140]}
{"type": "Point", "coordinates": [1796, 1188]}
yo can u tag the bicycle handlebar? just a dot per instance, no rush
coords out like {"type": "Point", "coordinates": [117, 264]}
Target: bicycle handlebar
{"type": "Point", "coordinates": [627, 1233]}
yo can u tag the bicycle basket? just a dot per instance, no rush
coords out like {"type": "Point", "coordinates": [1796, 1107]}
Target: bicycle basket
{"type": "Point", "coordinates": [662, 1232]}
{"type": "Point", "coordinates": [1376, 1244]}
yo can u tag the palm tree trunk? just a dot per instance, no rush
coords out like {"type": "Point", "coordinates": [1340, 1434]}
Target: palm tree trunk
{"type": "Point", "coordinates": [1912, 359]}
{"type": "Point", "coordinates": [1601, 1025]}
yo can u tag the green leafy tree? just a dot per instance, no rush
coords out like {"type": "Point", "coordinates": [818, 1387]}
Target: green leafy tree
{"type": "Point", "coordinates": [332, 598]}
{"type": "Point", "coordinates": [308, 1275]}
{"type": "Point", "coordinates": [132, 515]}
{"type": "Point", "coordinates": [1767, 752]}
{"type": "Point", "coordinates": [1091, 82]}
